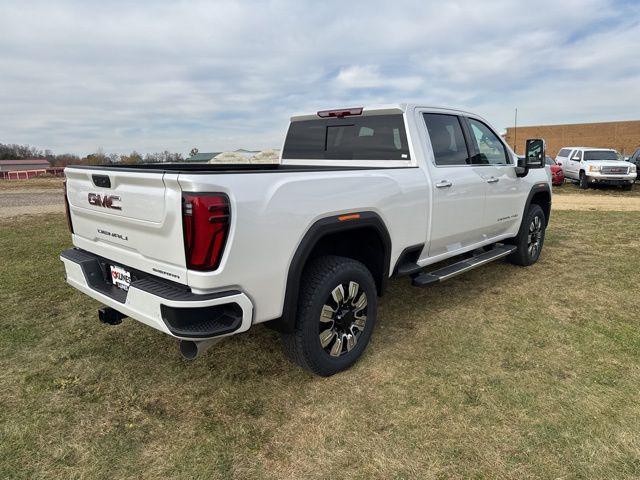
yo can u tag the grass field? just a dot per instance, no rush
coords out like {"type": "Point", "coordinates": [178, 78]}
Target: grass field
{"type": "Point", "coordinates": [32, 183]}
{"type": "Point", "coordinates": [571, 188]}
{"type": "Point", "coordinates": [504, 372]}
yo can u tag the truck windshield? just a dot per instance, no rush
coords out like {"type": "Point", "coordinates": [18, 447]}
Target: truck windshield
{"type": "Point", "coordinates": [373, 137]}
{"type": "Point", "coordinates": [600, 155]}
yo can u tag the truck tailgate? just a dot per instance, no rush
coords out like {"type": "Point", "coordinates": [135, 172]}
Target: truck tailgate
{"type": "Point", "coordinates": [132, 218]}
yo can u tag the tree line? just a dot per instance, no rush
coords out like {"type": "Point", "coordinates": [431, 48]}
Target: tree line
{"type": "Point", "coordinates": [21, 152]}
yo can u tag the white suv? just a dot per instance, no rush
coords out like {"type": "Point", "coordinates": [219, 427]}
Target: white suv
{"type": "Point", "coordinates": [596, 165]}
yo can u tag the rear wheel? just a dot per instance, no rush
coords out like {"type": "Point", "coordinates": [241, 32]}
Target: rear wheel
{"type": "Point", "coordinates": [337, 309]}
{"type": "Point", "coordinates": [530, 238]}
{"type": "Point", "coordinates": [583, 182]}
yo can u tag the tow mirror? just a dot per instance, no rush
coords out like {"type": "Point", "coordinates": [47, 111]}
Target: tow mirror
{"type": "Point", "coordinates": [534, 154]}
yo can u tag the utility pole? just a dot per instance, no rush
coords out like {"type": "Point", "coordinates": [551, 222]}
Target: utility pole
{"type": "Point", "coordinates": [515, 133]}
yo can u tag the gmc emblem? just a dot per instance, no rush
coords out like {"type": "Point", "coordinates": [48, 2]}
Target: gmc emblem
{"type": "Point", "coordinates": [106, 201]}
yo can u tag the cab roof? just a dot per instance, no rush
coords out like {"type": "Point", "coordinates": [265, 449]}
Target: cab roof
{"type": "Point", "coordinates": [382, 109]}
{"type": "Point", "coordinates": [590, 149]}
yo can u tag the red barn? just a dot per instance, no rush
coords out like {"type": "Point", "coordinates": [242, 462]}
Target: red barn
{"type": "Point", "coordinates": [27, 168]}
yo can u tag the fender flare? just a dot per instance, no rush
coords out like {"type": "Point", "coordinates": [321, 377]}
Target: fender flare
{"type": "Point", "coordinates": [537, 188]}
{"type": "Point", "coordinates": [321, 228]}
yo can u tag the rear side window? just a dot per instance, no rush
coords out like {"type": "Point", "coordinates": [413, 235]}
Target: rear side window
{"type": "Point", "coordinates": [447, 139]}
{"type": "Point", "coordinates": [564, 152]}
{"type": "Point", "coordinates": [375, 137]}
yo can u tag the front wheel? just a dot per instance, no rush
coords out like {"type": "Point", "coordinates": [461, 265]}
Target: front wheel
{"type": "Point", "coordinates": [337, 309]}
{"type": "Point", "coordinates": [530, 237]}
{"type": "Point", "coordinates": [584, 181]}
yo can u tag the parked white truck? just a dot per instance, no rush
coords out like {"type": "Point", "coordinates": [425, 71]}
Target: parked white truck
{"type": "Point", "coordinates": [201, 252]}
{"type": "Point", "coordinates": [590, 166]}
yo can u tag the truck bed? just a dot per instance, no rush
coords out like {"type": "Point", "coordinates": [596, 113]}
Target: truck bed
{"type": "Point", "coordinates": [226, 168]}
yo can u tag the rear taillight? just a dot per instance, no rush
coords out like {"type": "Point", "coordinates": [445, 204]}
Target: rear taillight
{"type": "Point", "coordinates": [66, 206]}
{"type": "Point", "coordinates": [205, 223]}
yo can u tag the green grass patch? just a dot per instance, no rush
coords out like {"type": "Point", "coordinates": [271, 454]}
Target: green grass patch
{"type": "Point", "coordinates": [504, 372]}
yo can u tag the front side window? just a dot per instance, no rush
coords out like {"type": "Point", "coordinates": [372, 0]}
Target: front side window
{"type": "Point", "coordinates": [577, 156]}
{"type": "Point", "coordinates": [491, 151]}
{"type": "Point", "coordinates": [447, 139]}
{"type": "Point", "coordinates": [374, 137]}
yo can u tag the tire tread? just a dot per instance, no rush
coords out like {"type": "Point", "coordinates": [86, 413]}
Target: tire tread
{"type": "Point", "coordinates": [520, 256]}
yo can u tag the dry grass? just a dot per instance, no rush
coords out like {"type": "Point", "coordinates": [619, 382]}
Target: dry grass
{"type": "Point", "coordinates": [27, 197]}
{"type": "Point", "coordinates": [46, 183]}
{"type": "Point", "coordinates": [570, 188]}
{"type": "Point", "coordinates": [504, 372]}
{"type": "Point", "coordinates": [599, 198]}
{"type": "Point", "coordinates": [596, 203]}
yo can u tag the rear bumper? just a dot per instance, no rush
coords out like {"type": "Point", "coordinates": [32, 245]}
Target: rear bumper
{"type": "Point", "coordinates": [165, 306]}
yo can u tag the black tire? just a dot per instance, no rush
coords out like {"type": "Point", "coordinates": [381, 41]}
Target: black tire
{"type": "Point", "coordinates": [583, 182]}
{"type": "Point", "coordinates": [320, 278]}
{"type": "Point", "coordinates": [527, 255]}
{"type": "Point", "coordinates": [627, 187]}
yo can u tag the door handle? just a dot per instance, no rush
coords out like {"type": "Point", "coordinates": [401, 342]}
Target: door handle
{"type": "Point", "coordinates": [443, 184]}
{"type": "Point", "coordinates": [493, 180]}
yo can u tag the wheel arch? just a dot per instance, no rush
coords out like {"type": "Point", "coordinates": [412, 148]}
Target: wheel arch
{"type": "Point", "coordinates": [540, 194]}
{"type": "Point", "coordinates": [362, 236]}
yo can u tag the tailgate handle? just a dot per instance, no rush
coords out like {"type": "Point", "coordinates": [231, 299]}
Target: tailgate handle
{"type": "Point", "coordinates": [101, 181]}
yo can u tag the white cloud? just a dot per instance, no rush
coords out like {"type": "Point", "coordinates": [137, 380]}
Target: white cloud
{"type": "Point", "coordinates": [78, 75]}
{"type": "Point", "coordinates": [369, 76]}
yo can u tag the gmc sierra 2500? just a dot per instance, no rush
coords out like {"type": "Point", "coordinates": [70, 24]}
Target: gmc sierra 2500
{"type": "Point", "coordinates": [201, 252]}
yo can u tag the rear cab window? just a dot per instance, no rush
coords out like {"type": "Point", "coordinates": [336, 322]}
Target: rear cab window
{"type": "Point", "coordinates": [369, 137]}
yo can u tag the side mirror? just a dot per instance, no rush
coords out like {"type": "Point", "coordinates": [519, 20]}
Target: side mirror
{"type": "Point", "coordinates": [534, 153]}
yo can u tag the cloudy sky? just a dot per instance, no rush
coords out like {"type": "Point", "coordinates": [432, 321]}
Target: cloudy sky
{"type": "Point", "coordinates": [150, 76]}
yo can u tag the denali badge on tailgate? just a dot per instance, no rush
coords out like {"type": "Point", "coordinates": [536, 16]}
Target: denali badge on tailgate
{"type": "Point", "coordinates": [106, 201]}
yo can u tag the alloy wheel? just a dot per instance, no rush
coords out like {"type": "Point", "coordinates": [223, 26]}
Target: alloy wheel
{"type": "Point", "coordinates": [343, 318]}
{"type": "Point", "coordinates": [534, 239]}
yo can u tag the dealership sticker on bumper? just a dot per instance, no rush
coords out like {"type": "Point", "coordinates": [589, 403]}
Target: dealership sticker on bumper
{"type": "Point", "coordinates": [120, 277]}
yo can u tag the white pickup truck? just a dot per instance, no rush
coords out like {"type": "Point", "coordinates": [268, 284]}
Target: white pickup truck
{"type": "Point", "coordinates": [589, 166]}
{"type": "Point", "coordinates": [201, 252]}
